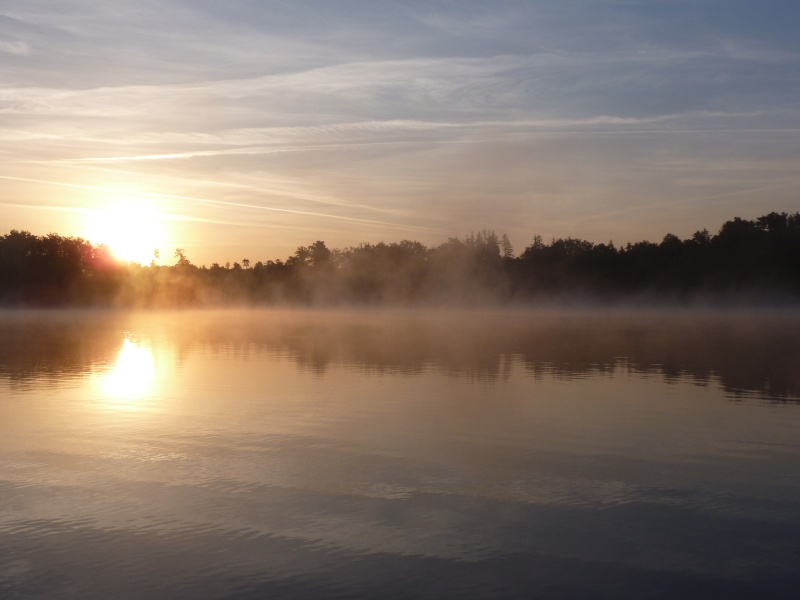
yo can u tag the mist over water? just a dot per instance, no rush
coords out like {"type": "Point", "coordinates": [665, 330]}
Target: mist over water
{"type": "Point", "coordinates": [399, 454]}
{"type": "Point", "coordinates": [748, 263]}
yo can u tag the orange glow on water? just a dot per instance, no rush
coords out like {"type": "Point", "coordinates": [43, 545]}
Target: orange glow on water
{"type": "Point", "coordinates": [133, 375]}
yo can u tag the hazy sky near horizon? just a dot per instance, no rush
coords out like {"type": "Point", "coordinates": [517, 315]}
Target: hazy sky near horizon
{"type": "Point", "coordinates": [247, 128]}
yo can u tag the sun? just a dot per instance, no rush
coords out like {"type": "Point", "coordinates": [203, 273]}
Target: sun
{"type": "Point", "coordinates": [131, 230]}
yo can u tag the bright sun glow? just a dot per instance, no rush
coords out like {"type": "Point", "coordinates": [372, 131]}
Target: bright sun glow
{"type": "Point", "coordinates": [131, 231]}
{"type": "Point", "coordinates": [133, 373]}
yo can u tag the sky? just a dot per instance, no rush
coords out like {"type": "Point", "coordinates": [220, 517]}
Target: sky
{"type": "Point", "coordinates": [244, 129]}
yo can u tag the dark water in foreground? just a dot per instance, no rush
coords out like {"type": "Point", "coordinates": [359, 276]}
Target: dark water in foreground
{"type": "Point", "coordinates": [399, 455]}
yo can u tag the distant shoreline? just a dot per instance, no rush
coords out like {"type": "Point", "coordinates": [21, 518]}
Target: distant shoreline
{"type": "Point", "coordinates": [747, 263]}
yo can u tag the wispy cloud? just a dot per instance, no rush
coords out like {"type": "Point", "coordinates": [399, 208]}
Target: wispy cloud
{"type": "Point", "coordinates": [18, 47]}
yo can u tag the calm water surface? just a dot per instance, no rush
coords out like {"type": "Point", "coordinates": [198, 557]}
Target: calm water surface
{"type": "Point", "coordinates": [399, 455]}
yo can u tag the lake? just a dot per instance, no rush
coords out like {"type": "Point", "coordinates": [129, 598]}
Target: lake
{"type": "Point", "coordinates": [420, 454]}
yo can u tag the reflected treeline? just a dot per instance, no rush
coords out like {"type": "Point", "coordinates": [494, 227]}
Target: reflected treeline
{"type": "Point", "coordinates": [57, 345]}
{"type": "Point", "coordinates": [746, 261]}
{"type": "Point", "coordinates": [749, 353]}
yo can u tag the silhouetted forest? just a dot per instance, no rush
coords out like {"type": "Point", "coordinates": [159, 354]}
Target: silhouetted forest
{"type": "Point", "coordinates": [747, 261]}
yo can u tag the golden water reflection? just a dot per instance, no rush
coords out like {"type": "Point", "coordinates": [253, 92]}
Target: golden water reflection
{"type": "Point", "coordinates": [133, 375]}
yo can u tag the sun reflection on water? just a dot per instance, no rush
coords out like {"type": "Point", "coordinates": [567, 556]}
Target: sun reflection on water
{"type": "Point", "coordinates": [133, 374]}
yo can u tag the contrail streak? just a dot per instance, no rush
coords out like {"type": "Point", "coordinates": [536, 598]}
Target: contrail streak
{"type": "Point", "coordinates": [162, 216]}
{"type": "Point", "coordinates": [223, 203]}
{"type": "Point", "coordinates": [242, 151]}
{"type": "Point", "coordinates": [45, 207]}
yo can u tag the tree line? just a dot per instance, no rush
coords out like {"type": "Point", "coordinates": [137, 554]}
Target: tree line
{"type": "Point", "coordinates": [746, 260]}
